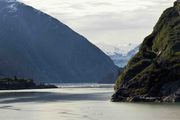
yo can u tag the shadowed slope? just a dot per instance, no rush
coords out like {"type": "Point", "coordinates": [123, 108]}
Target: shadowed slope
{"type": "Point", "coordinates": [35, 45]}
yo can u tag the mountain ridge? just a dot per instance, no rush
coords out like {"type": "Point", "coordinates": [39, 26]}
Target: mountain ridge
{"type": "Point", "coordinates": [120, 59]}
{"type": "Point", "coordinates": [119, 56]}
{"type": "Point", "coordinates": [37, 46]}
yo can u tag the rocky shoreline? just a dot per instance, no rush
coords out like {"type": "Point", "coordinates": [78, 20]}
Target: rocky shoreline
{"type": "Point", "coordinates": [123, 97]}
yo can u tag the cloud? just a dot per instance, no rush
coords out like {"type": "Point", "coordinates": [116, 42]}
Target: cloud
{"type": "Point", "coordinates": [106, 21]}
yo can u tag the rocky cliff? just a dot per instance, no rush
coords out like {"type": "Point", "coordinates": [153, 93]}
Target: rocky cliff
{"type": "Point", "coordinates": [153, 74]}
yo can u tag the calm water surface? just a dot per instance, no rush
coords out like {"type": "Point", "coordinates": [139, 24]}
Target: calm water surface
{"type": "Point", "coordinates": [78, 103]}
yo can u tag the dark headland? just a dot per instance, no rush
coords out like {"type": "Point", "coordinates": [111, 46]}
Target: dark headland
{"type": "Point", "coordinates": [153, 74]}
{"type": "Point", "coordinates": [17, 84]}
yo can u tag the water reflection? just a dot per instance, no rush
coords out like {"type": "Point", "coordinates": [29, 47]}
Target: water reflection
{"type": "Point", "coordinates": [79, 104]}
{"type": "Point", "coordinates": [54, 95]}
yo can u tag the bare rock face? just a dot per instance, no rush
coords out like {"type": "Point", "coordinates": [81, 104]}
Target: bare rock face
{"type": "Point", "coordinates": [153, 74]}
{"type": "Point", "coordinates": [34, 45]}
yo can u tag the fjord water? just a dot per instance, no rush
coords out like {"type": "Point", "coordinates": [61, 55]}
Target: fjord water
{"type": "Point", "coordinates": [79, 102]}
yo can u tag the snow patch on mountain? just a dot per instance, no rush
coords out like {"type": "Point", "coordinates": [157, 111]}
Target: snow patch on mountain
{"type": "Point", "coordinates": [119, 48]}
{"type": "Point", "coordinates": [120, 59]}
{"type": "Point", "coordinates": [8, 1]}
{"type": "Point", "coordinates": [13, 7]}
{"type": "Point", "coordinates": [120, 54]}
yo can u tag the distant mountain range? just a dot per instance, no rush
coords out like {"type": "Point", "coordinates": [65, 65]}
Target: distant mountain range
{"type": "Point", "coordinates": [120, 59]}
{"type": "Point", "coordinates": [120, 54]}
{"type": "Point", "coordinates": [37, 46]}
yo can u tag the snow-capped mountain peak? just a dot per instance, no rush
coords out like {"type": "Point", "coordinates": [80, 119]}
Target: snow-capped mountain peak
{"type": "Point", "coordinates": [120, 54]}
{"type": "Point", "coordinates": [122, 49]}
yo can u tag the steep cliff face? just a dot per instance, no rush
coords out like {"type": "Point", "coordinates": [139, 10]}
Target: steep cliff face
{"type": "Point", "coordinates": [153, 74]}
{"type": "Point", "coordinates": [37, 46]}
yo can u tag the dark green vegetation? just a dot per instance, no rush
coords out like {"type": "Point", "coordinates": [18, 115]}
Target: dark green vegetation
{"type": "Point", "coordinates": [15, 84]}
{"type": "Point", "coordinates": [153, 74]}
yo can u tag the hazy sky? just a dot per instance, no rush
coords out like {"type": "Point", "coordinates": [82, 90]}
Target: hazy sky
{"type": "Point", "coordinates": [113, 22]}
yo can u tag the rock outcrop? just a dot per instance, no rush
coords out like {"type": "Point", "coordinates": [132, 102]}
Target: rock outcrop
{"type": "Point", "coordinates": [153, 74]}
